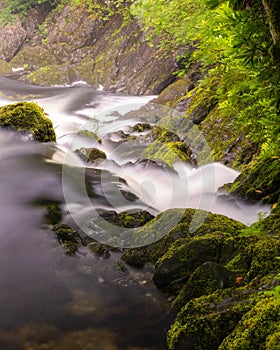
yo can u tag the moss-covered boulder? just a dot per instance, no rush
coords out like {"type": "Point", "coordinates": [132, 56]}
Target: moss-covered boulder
{"type": "Point", "coordinates": [204, 322]}
{"type": "Point", "coordinates": [207, 278]}
{"type": "Point", "coordinates": [257, 329]}
{"type": "Point", "coordinates": [259, 181]}
{"type": "Point", "coordinates": [29, 118]}
{"type": "Point", "coordinates": [183, 257]}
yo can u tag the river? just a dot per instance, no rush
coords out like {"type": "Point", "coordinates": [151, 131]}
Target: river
{"type": "Point", "coordinates": [52, 301]}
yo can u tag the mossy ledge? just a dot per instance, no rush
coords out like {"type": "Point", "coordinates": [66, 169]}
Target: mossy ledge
{"type": "Point", "coordinates": [29, 118]}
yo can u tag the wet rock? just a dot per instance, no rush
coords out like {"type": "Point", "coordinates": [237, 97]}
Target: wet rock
{"type": "Point", "coordinates": [259, 182]}
{"type": "Point", "coordinates": [128, 219]}
{"type": "Point", "coordinates": [204, 322]}
{"type": "Point", "coordinates": [134, 257]}
{"type": "Point", "coordinates": [91, 155]}
{"type": "Point", "coordinates": [99, 249]}
{"type": "Point", "coordinates": [182, 258]}
{"type": "Point", "coordinates": [68, 238]}
{"type": "Point", "coordinates": [207, 278]}
{"type": "Point", "coordinates": [29, 118]}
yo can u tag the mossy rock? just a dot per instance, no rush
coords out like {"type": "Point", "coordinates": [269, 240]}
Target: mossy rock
{"type": "Point", "coordinates": [99, 249]}
{"type": "Point", "coordinates": [127, 219]}
{"type": "Point", "coordinates": [68, 238]}
{"type": "Point", "coordinates": [32, 58]}
{"type": "Point", "coordinates": [226, 142]}
{"type": "Point", "coordinates": [141, 127]}
{"type": "Point", "coordinates": [27, 117]}
{"type": "Point", "coordinates": [204, 322]}
{"type": "Point", "coordinates": [52, 75]}
{"type": "Point", "coordinates": [264, 257]}
{"type": "Point", "coordinates": [175, 267]}
{"type": "Point", "coordinates": [91, 154]}
{"type": "Point", "coordinates": [257, 328]}
{"type": "Point", "coordinates": [207, 223]}
{"type": "Point", "coordinates": [53, 212]}
{"type": "Point", "coordinates": [5, 67]}
{"type": "Point", "coordinates": [174, 92]}
{"type": "Point", "coordinates": [134, 257]}
{"type": "Point", "coordinates": [168, 153]}
{"type": "Point", "coordinates": [207, 278]}
{"type": "Point", "coordinates": [259, 181]}
{"type": "Point", "coordinates": [273, 340]}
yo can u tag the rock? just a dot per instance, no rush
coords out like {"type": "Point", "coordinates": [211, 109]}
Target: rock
{"type": "Point", "coordinates": [75, 43]}
{"type": "Point", "coordinates": [91, 154]}
{"type": "Point", "coordinates": [68, 238]}
{"type": "Point", "coordinates": [259, 181]}
{"type": "Point", "coordinates": [183, 257]}
{"type": "Point", "coordinates": [99, 249]}
{"type": "Point", "coordinates": [258, 328]}
{"type": "Point", "coordinates": [5, 68]}
{"type": "Point", "coordinates": [12, 39]}
{"type": "Point", "coordinates": [27, 117]}
{"type": "Point", "coordinates": [134, 257]}
{"type": "Point", "coordinates": [207, 278]}
{"type": "Point", "coordinates": [204, 322]}
{"type": "Point", "coordinates": [128, 219]}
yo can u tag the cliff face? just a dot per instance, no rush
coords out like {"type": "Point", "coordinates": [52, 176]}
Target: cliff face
{"type": "Point", "coordinates": [72, 43]}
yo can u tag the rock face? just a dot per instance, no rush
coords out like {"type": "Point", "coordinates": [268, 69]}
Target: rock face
{"type": "Point", "coordinates": [12, 39]}
{"type": "Point", "coordinates": [74, 43]}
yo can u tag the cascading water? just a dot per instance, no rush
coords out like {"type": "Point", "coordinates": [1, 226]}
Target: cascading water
{"type": "Point", "coordinates": [83, 300]}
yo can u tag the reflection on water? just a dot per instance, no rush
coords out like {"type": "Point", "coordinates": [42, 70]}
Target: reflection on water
{"type": "Point", "coordinates": [48, 300]}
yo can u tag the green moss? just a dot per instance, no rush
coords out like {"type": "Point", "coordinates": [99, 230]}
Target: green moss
{"type": "Point", "coordinates": [273, 340]}
{"type": "Point", "coordinates": [255, 327]}
{"type": "Point", "coordinates": [32, 58]}
{"type": "Point", "coordinates": [5, 67]}
{"type": "Point", "coordinates": [27, 117]}
{"type": "Point", "coordinates": [51, 75]}
{"type": "Point", "coordinates": [259, 181]}
{"type": "Point", "coordinates": [68, 238]}
{"type": "Point", "coordinates": [134, 257]}
{"type": "Point", "coordinates": [167, 152]}
{"type": "Point", "coordinates": [207, 278]}
{"type": "Point", "coordinates": [53, 215]}
{"type": "Point", "coordinates": [204, 322]}
{"type": "Point", "coordinates": [183, 257]}
{"type": "Point", "coordinates": [176, 91]}
{"type": "Point", "coordinates": [91, 154]}
{"type": "Point", "coordinates": [264, 257]}
{"type": "Point", "coordinates": [90, 134]}
{"type": "Point", "coordinates": [99, 249]}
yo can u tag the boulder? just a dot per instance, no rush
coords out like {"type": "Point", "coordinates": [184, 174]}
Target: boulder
{"type": "Point", "coordinates": [29, 118]}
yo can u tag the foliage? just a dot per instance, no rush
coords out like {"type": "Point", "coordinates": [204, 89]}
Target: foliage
{"type": "Point", "coordinates": [11, 7]}
{"type": "Point", "coordinates": [232, 40]}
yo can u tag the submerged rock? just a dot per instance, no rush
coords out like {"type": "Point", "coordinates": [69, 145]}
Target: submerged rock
{"type": "Point", "coordinates": [29, 118]}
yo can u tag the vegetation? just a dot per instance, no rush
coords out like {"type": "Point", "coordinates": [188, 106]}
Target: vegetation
{"type": "Point", "coordinates": [232, 41]}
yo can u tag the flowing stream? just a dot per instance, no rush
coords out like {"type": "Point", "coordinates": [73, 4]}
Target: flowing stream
{"type": "Point", "coordinates": [49, 300]}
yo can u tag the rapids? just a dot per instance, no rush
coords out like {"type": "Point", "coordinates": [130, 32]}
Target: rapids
{"type": "Point", "coordinates": [59, 297]}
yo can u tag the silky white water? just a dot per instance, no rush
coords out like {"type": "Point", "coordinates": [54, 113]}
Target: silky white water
{"type": "Point", "coordinates": [59, 295]}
